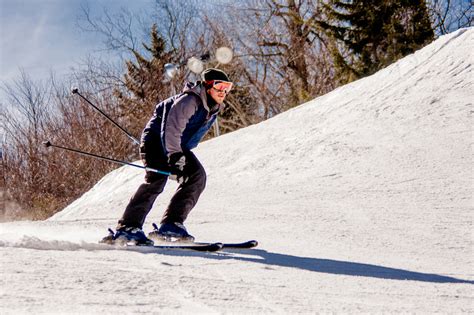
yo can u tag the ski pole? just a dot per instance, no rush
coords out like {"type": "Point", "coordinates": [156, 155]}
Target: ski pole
{"type": "Point", "coordinates": [49, 144]}
{"type": "Point", "coordinates": [76, 91]}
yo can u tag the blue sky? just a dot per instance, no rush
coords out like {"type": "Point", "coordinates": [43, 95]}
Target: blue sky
{"type": "Point", "coordinates": [40, 36]}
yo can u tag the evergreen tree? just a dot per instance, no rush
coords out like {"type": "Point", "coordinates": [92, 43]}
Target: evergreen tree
{"type": "Point", "coordinates": [369, 35]}
{"type": "Point", "coordinates": [145, 83]}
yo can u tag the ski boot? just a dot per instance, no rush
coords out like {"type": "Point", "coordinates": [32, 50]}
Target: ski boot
{"type": "Point", "coordinates": [171, 232]}
{"type": "Point", "coordinates": [127, 235]}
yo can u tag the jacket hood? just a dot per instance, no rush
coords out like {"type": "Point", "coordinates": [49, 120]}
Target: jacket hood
{"type": "Point", "coordinates": [198, 89]}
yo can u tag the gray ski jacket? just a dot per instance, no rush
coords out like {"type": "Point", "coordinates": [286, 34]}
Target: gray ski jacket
{"type": "Point", "coordinates": [181, 121]}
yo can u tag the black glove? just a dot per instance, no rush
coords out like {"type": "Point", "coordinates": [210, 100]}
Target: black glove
{"type": "Point", "coordinates": [177, 163]}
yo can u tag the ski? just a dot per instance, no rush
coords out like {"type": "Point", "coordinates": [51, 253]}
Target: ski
{"type": "Point", "coordinates": [205, 247]}
{"type": "Point", "coordinates": [170, 240]}
{"type": "Point", "coordinates": [209, 247]}
{"type": "Point", "coordinates": [242, 245]}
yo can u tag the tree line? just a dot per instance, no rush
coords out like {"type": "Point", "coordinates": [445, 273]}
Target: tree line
{"type": "Point", "coordinates": [286, 52]}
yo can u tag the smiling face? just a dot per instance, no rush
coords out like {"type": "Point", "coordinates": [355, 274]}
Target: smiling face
{"type": "Point", "coordinates": [219, 90]}
{"type": "Point", "coordinates": [217, 95]}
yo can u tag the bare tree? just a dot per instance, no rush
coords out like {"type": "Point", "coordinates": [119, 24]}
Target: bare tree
{"type": "Point", "coordinates": [286, 62]}
{"type": "Point", "coordinates": [24, 120]}
{"type": "Point", "coordinates": [145, 43]}
{"type": "Point", "coordinates": [43, 181]}
{"type": "Point", "coordinates": [448, 15]}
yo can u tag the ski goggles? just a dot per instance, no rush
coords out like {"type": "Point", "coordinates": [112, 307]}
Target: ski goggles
{"type": "Point", "coordinates": [220, 86]}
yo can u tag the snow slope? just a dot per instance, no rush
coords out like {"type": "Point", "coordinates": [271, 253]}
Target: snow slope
{"type": "Point", "coordinates": [361, 201]}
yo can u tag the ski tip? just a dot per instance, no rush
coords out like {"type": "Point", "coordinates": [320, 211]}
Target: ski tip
{"type": "Point", "coordinates": [253, 243]}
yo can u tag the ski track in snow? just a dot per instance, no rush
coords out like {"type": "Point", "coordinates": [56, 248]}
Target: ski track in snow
{"type": "Point", "coordinates": [361, 201]}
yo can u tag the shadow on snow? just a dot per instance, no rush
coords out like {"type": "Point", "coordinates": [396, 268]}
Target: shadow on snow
{"type": "Point", "coordinates": [327, 266]}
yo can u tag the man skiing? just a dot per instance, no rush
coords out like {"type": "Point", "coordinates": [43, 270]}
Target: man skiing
{"type": "Point", "coordinates": [177, 126]}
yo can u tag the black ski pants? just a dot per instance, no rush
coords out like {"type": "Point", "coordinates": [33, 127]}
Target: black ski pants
{"type": "Point", "coordinates": [184, 199]}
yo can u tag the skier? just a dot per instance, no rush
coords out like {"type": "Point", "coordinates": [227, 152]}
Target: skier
{"type": "Point", "coordinates": [176, 127]}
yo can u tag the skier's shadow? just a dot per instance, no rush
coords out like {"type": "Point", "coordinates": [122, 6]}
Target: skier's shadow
{"type": "Point", "coordinates": [329, 266]}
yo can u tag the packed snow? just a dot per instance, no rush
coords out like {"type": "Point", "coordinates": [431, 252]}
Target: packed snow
{"type": "Point", "coordinates": [361, 200]}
